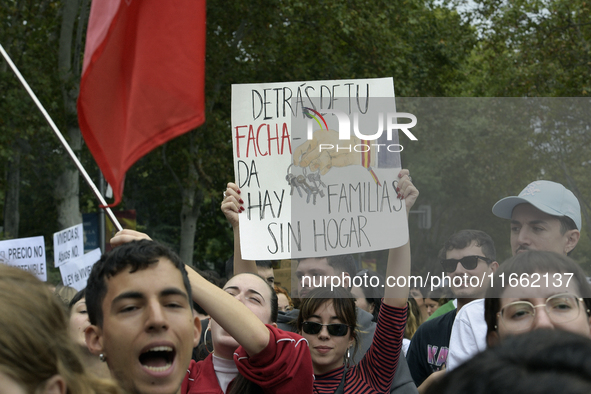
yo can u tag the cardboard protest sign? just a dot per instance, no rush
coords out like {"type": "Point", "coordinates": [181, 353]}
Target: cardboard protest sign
{"type": "Point", "coordinates": [25, 253]}
{"type": "Point", "coordinates": [317, 163]}
{"type": "Point", "coordinates": [75, 273]}
{"type": "Point", "coordinates": [68, 244]}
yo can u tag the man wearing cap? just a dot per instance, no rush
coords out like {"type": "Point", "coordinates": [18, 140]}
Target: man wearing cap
{"type": "Point", "coordinates": [544, 216]}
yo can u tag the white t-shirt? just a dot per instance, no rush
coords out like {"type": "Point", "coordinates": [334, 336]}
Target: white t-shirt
{"type": "Point", "coordinates": [225, 370]}
{"type": "Point", "coordinates": [468, 334]}
{"type": "Point", "coordinates": [405, 345]}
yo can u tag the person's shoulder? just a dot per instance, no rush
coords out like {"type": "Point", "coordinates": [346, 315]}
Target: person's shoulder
{"type": "Point", "coordinates": [291, 315]}
{"type": "Point", "coordinates": [198, 368]}
{"type": "Point", "coordinates": [286, 320]}
{"type": "Point", "coordinates": [447, 320]}
{"type": "Point", "coordinates": [479, 303]}
{"type": "Point", "coordinates": [364, 320]}
{"type": "Point", "coordinates": [443, 309]}
{"type": "Point", "coordinates": [472, 309]}
{"type": "Point", "coordinates": [425, 329]}
{"type": "Point", "coordinates": [435, 326]}
{"type": "Point", "coordinates": [439, 320]}
{"type": "Point", "coordinates": [200, 378]}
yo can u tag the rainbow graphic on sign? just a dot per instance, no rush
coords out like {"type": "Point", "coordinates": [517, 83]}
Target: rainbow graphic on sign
{"type": "Point", "coordinates": [317, 116]}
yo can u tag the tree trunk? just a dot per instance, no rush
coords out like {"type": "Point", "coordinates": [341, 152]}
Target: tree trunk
{"type": "Point", "coordinates": [11, 203]}
{"type": "Point", "coordinates": [189, 215]}
{"type": "Point", "coordinates": [192, 200]}
{"type": "Point", "coordinates": [67, 185]}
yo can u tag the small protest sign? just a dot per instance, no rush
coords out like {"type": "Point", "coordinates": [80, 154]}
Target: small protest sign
{"type": "Point", "coordinates": [25, 253]}
{"type": "Point", "coordinates": [75, 272]}
{"type": "Point", "coordinates": [68, 244]}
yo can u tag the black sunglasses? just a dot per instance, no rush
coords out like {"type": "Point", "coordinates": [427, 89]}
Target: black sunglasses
{"type": "Point", "coordinates": [469, 262]}
{"type": "Point", "coordinates": [337, 330]}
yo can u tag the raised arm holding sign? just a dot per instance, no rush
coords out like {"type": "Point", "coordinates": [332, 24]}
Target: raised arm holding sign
{"type": "Point", "coordinates": [232, 205]}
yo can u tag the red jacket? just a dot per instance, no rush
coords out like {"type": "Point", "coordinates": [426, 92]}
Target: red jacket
{"type": "Point", "coordinates": [284, 366]}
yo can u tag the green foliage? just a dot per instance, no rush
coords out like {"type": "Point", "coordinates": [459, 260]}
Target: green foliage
{"type": "Point", "coordinates": [532, 48]}
{"type": "Point", "coordinates": [28, 32]}
{"type": "Point", "coordinates": [541, 48]}
{"type": "Point", "coordinates": [469, 154]}
{"type": "Point", "coordinates": [525, 48]}
{"type": "Point", "coordinates": [419, 44]}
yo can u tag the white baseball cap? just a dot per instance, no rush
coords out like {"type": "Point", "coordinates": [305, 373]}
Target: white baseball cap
{"type": "Point", "coordinates": [549, 197]}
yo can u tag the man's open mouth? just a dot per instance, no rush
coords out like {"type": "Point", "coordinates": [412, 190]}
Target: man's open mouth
{"type": "Point", "coordinates": [158, 358]}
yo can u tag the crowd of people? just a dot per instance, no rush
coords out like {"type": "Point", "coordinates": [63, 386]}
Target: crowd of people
{"type": "Point", "coordinates": [148, 323]}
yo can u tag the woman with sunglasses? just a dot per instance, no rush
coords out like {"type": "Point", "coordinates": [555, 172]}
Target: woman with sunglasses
{"type": "Point", "coordinates": [327, 320]}
{"type": "Point", "coordinates": [535, 290]}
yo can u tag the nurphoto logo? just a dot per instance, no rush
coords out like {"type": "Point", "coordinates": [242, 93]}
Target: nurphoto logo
{"type": "Point", "coordinates": [348, 130]}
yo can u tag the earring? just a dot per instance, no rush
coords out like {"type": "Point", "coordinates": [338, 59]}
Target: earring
{"type": "Point", "coordinates": [348, 360]}
{"type": "Point", "coordinates": [102, 357]}
{"type": "Point", "coordinates": [205, 339]}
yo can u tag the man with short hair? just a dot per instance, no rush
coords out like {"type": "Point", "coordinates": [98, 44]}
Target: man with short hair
{"type": "Point", "coordinates": [264, 269]}
{"type": "Point", "coordinates": [312, 271]}
{"type": "Point", "coordinates": [142, 324]}
{"type": "Point", "coordinates": [141, 327]}
{"type": "Point", "coordinates": [544, 216]}
{"type": "Point", "coordinates": [469, 258]}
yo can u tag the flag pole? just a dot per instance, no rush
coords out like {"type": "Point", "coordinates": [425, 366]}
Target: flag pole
{"type": "Point", "coordinates": [62, 139]}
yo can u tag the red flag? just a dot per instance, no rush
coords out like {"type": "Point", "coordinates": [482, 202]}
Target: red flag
{"type": "Point", "coordinates": [143, 79]}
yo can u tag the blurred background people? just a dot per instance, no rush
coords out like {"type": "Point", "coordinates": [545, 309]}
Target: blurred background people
{"type": "Point", "coordinates": [78, 323]}
{"type": "Point", "coordinates": [436, 298]}
{"type": "Point", "coordinates": [369, 296]}
{"type": "Point", "coordinates": [283, 299]}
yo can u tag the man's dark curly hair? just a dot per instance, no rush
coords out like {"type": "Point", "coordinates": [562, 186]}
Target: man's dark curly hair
{"type": "Point", "coordinates": [134, 256]}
